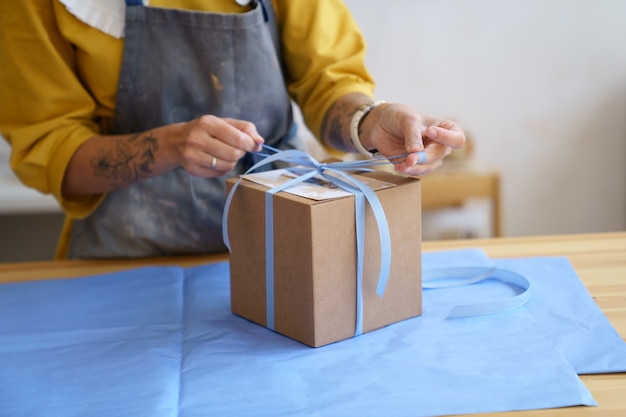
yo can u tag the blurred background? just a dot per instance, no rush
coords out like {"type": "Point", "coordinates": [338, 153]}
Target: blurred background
{"type": "Point", "coordinates": [539, 86]}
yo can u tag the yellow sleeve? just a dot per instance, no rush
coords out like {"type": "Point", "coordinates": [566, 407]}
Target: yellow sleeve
{"type": "Point", "coordinates": [324, 53]}
{"type": "Point", "coordinates": [46, 111]}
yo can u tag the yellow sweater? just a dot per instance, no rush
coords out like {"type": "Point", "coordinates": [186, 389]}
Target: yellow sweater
{"type": "Point", "coordinates": [59, 76]}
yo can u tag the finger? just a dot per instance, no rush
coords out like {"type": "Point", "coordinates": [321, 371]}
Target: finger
{"type": "Point", "coordinates": [249, 129]}
{"type": "Point", "coordinates": [424, 161]}
{"type": "Point", "coordinates": [209, 153]}
{"type": "Point", "coordinates": [229, 132]}
{"type": "Point", "coordinates": [422, 169]}
{"type": "Point", "coordinates": [411, 128]}
{"type": "Point", "coordinates": [215, 147]}
{"type": "Point", "coordinates": [220, 167]}
{"type": "Point", "coordinates": [204, 172]}
{"type": "Point", "coordinates": [200, 162]}
{"type": "Point", "coordinates": [419, 169]}
{"type": "Point", "coordinates": [413, 141]}
{"type": "Point", "coordinates": [416, 158]}
{"type": "Point", "coordinates": [454, 137]}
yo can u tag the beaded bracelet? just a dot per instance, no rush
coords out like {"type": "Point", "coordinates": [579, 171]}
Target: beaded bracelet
{"type": "Point", "coordinates": [360, 113]}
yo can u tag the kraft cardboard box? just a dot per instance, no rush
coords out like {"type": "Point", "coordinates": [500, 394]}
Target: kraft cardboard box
{"type": "Point", "coordinates": [315, 261]}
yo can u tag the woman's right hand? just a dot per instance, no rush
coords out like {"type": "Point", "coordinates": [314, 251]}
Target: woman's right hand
{"type": "Point", "coordinates": [210, 146]}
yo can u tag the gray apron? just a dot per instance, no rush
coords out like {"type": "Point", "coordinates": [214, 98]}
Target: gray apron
{"type": "Point", "coordinates": [178, 65]}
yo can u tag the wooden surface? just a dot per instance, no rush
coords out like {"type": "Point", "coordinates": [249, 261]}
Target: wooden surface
{"type": "Point", "coordinates": [599, 260]}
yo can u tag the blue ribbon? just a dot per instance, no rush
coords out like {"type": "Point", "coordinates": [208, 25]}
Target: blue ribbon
{"type": "Point", "coordinates": [336, 173]}
{"type": "Point", "coordinates": [460, 276]}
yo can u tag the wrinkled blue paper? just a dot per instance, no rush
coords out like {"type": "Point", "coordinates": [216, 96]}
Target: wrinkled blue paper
{"type": "Point", "coordinates": [560, 305]}
{"type": "Point", "coordinates": [162, 342]}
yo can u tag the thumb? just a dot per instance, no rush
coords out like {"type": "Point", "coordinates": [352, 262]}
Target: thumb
{"type": "Point", "coordinates": [413, 142]}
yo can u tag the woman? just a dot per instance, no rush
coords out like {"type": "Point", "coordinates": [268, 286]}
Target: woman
{"type": "Point", "coordinates": [135, 124]}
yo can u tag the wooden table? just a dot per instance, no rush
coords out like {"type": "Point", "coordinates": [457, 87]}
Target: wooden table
{"type": "Point", "coordinates": [599, 260]}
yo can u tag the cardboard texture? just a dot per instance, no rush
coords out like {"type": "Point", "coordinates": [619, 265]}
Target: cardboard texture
{"type": "Point", "coordinates": [315, 261]}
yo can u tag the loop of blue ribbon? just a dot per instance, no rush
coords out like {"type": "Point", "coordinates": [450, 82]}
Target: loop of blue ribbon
{"type": "Point", "coordinates": [336, 173]}
{"type": "Point", "coordinates": [460, 276]}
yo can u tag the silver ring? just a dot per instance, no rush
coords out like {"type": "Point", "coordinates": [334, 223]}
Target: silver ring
{"type": "Point", "coordinates": [213, 162]}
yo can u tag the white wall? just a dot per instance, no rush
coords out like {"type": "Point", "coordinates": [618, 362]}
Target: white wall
{"type": "Point", "coordinates": [539, 84]}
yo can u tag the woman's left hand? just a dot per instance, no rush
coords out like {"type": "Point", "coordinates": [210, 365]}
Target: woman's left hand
{"type": "Point", "coordinates": [395, 129]}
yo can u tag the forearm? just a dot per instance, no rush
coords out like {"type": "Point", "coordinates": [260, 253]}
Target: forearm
{"type": "Point", "coordinates": [208, 146]}
{"type": "Point", "coordinates": [107, 162]}
{"type": "Point", "coordinates": [336, 125]}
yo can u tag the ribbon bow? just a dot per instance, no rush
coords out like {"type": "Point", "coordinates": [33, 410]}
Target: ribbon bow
{"type": "Point", "coordinates": [336, 173]}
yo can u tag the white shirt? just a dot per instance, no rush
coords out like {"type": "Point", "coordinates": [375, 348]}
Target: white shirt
{"type": "Point", "coordinates": [105, 15]}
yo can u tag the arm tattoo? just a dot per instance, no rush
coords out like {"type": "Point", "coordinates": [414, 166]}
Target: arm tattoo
{"type": "Point", "coordinates": [128, 162]}
{"type": "Point", "coordinates": [333, 122]}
